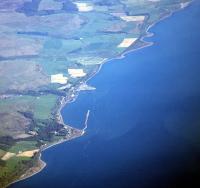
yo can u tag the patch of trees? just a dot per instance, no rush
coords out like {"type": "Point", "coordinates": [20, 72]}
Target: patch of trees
{"type": "Point", "coordinates": [6, 142]}
{"type": "Point", "coordinates": [2, 163]}
{"type": "Point", "coordinates": [47, 129]}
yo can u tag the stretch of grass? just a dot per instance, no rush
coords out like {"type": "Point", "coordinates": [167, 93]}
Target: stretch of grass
{"type": "Point", "coordinates": [43, 106]}
{"type": "Point", "coordinates": [2, 152]}
{"type": "Point", "coordinates": [23, 146]}
{"type": "Point", "coordinates": [14, 167]}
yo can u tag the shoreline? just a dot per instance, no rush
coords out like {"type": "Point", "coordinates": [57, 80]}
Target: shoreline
{"type": "Point", "coordinates": [40, 163]}
{"type": "Point", "coordinates": [68, 99]}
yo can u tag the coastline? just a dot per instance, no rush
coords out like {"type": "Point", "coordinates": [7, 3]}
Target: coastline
{"type": "Point", "coordinates": [40, 165]}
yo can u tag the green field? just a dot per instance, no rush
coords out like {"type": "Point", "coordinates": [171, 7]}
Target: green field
{"type": "Point", "coordinates": [23, 146]}
{"type": "Point", "coordinates": [43, 106]}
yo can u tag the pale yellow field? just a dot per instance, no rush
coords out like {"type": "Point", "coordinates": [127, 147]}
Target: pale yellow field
{"type": "Point", "coordinates": [28, 153]}
{"type": "Point", "coordinates": [133, 18]}
{"type": "Point", "coordinates": [58, 78]}
{"type": "Point", "coordinates": [76, 73]}
{"type": "Point", "coordinates": [127, 42]}
{"type": "Point", "coordinates": [7, 156]}
{"type": "Point", "coordinates": [84, 7]}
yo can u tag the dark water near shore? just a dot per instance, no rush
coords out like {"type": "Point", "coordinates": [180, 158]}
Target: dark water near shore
{"type": "Point", "coordinates": [144, 126]}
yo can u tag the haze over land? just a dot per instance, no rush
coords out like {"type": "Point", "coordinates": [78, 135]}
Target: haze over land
{"type": "Point", "coordinates": [48, 49]}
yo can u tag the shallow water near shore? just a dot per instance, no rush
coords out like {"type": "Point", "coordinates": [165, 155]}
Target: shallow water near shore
{"type": "Point", "coordinates": [143, 130]}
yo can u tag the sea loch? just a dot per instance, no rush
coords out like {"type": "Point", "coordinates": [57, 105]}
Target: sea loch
{"type": "Point", "coordinates": [144, 126]}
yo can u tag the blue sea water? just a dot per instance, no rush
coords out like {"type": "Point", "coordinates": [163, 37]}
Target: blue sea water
{"type": "Point", "coordinates": [144, 126]}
